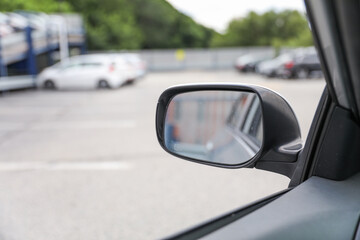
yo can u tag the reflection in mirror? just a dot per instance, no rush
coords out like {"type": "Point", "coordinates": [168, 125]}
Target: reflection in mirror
{"type": "Point", "coordinates": [214, 126]}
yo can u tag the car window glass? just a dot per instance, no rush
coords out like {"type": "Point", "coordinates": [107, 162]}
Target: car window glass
{"type": "Point", "coordinates": [72, 66]}
{"type": "Point", "coordinates": [91, 64]}
{"type": "Point", "coordinates": [82, 150]}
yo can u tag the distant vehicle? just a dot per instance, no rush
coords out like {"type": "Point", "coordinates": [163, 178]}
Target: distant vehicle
{"type": "Point", "coordinates": [17, 21]}
{"type": "Point", "coordinates": [37, 21]}
{"type": "Point", "coordinates": [270, 68]}
{"type": "Point", "coordinates": [299, 63]}
{"type": "Point", "coordinates": [5, 29]}
{"type": "Point", "coordinates": [301, 67]}
{"type": "Point", "coordinates": [248, 62]}
{"type": "Point", "coordinates": [86, 71]}
{"type": "Point", "coordinates": [137, 65]}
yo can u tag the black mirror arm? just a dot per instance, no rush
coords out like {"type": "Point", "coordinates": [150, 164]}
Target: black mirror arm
{"type": "Point", "coordinates": [288, 156]}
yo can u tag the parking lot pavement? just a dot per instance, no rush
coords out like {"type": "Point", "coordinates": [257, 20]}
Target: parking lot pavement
{"type": "Point", "coordinates": [87, 165]}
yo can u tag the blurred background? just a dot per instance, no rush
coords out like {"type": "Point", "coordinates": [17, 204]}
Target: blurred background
{"type": "Point", "coordinates": [79, 83]}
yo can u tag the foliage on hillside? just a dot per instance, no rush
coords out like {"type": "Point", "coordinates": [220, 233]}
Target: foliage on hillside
{"type": "Point", "coordinates": [133, 24]}
{"type": "Point", "coordinates": [47, 6]}
{"type": "Point", "coordinates": [285, 28]}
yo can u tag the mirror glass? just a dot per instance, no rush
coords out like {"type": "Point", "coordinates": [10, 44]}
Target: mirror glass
{"type": "Point", "coordinates": [214, 126]}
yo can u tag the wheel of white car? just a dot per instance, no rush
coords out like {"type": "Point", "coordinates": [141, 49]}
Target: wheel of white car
{"type": "Point", "coordinates": [103, 84]}
{"type": "Point", "coordinates": [49, 84]}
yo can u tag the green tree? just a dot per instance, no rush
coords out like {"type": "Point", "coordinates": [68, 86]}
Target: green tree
{"type": "Point", "coordinates": [110, 24]}
{"type": "Point", "coordinates": [287, 27]}
{"type": "Point", "coordinates": [163, 26]}
{"type": "Point", "coordinates": [47, 6]}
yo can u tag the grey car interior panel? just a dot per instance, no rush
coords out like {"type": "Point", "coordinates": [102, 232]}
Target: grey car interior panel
{"type": "Point", "coordinates": [317, 209]}
{"type": "Point", "coordinates": [339, 151]}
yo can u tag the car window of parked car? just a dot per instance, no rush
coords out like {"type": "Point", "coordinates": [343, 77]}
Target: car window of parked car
{"type": "Point", "coordinates": [71, 65]}
{"type": "Point", "coordinates": [91, 64]}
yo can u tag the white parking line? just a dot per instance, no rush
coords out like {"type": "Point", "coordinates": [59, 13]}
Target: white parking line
{"type": "Point", "coordinates": [64, 166]}
{"type": "Point", "coordinates": [85, 125]}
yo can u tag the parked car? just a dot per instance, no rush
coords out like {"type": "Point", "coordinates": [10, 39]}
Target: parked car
{"type": "Point", "coordinates": [301, 67]}
{"type": "Point", "coordinates": [248, 62]}
{"type": "Point", "coordinates": [37, 21]}
{"type": "Point", "coordinates": [17, 21]}
{"type": "Point", "coordinates": [137, 65]}
{"type": "Point", "coordinates": [270, 68]}
{"type": "Point", "coordinates": [5, 28]}
{"type": "Point", "coordinates": [322, 201]}
{"type": "Point", "coordinates": [86, 71]}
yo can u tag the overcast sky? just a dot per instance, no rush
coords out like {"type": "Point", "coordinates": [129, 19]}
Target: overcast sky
{"type": "Point", "coordinates": [217, 14]}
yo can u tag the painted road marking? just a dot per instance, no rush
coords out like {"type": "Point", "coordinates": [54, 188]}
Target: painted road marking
{"type": "Point", "coordinates": [68, 125]}
{"type": "Point", "coordinates": [65, 166]}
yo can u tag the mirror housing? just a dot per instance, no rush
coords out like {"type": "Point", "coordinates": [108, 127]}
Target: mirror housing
{"type": "Point", "coordinates": [281, 132]}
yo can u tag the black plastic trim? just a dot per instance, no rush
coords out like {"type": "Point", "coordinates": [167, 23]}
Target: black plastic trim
{"type": "Point", "coordinates": [338, 154]}
{"type": "Point", "coordinates": [306, 156]}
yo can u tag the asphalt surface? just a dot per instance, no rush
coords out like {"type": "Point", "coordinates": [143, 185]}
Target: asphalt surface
{"type": "Point", "coordinates": [87, 165]}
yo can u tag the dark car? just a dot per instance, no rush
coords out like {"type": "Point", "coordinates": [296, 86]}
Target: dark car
{"type": "Point", "coordinates": [301, 67]}
{"type": "Point", "coordinates": [322, 200]}
{"type": "Point", "coordinates": [249, 62]}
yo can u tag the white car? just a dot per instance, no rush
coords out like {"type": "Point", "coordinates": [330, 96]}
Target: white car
{"type": "Point", "coordinates": [86, 71]}
{"type": "Point", "coordinates": [137, 64]}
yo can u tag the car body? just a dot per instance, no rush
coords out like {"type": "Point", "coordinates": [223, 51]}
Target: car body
{"type": "Point", "coordinates": [5, 28]}
{"type": "Point", "coordinates": [270, 67]}
{"type": "Point", "coordinates": [322, 201]}
{"type": "Point", "coordinates": [302, 66]}
{"type": "Point", "coordinates": [291, 64]}
{"type": "Point", "coordinates": [86, 71]}
{"type": "Point", "coordinates": [17, 21]}
{"type": "Point", "coordinates": [138, 66]}
{"type": "Point", "coordinates": [37, 21]}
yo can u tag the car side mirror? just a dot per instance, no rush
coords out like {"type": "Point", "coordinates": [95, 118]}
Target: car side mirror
{"type": "Point", "coordinates": [229, 125]}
